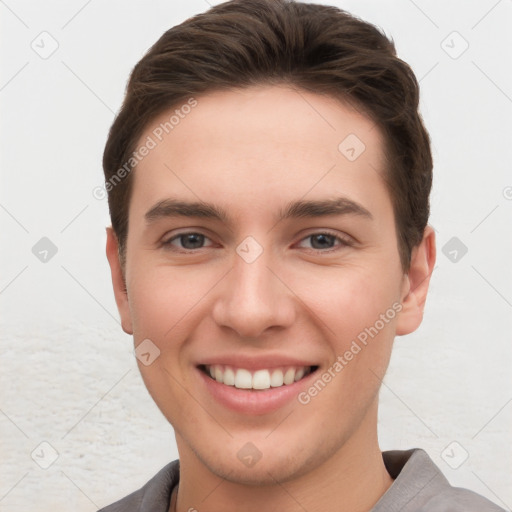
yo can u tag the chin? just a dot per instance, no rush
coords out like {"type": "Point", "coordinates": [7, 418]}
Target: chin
{"type": "Point", "coordinates": [274, 465]}
{"type": "Point", "coordinates": [263, 473]}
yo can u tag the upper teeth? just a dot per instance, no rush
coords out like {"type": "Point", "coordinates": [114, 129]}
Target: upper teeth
{"type": "Point", "coordinates": [260, 379]}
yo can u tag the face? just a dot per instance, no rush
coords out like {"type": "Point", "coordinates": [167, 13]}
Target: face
{"type": "Point", "coordinates": [285, 278]}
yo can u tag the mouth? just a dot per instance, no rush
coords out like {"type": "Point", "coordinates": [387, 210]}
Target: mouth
{"type": "Point", "coordinates": [258, 380]}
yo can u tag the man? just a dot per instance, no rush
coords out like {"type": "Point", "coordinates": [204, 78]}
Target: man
{"type": "Point", "coordinates": [269, 178]}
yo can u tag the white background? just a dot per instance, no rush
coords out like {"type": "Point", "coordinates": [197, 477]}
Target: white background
{"type": "Point", "coordinates": [68, 376]}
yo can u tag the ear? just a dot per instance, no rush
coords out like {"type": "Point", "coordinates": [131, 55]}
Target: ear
{"type": "Point", "coordinates": [416, 283]}
{"type": "Point", "coordinates": [118, 281]}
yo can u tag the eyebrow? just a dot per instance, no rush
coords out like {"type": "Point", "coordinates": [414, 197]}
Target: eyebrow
{"type": "Point", "coordinates": [296, 209]}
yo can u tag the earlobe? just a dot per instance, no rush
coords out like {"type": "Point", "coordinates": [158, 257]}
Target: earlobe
{"type": "Point", "coordinates": [118, 281]}
{"type": "Point", "coordinates": [416, 283]}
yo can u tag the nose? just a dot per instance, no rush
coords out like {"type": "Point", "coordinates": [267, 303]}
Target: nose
{"type": "Point", "coordinates": [254, 298]}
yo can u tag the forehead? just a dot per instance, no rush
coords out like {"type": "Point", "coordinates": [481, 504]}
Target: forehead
{"type": "Point", "coordinates": [242, 118]}
{"type": "Point", "coordinates": [259, 144]}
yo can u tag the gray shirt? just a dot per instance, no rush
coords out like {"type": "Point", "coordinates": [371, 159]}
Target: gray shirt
{"type": "Point", "coordinates": [419, 486]}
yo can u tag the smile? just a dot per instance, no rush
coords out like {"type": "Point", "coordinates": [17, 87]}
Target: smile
{"type": "Point", "coordinates": [242, 378]}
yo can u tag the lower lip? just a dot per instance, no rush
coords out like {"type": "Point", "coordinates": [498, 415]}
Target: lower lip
{"type": "Point", "coordinates": [256, 402]}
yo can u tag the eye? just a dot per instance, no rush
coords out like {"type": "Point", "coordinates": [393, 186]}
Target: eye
{"type": "Point", "coordinates": [323, 240]}
{"type": "Point", "coordinates": [188, 241]}
{"type": "Point", "coordinates": [191, 240]}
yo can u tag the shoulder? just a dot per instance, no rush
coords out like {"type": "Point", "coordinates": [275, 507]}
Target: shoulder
{"type": "Point", "coordinates": [420, 486]}
{"type": "Point", "coordinates": [456, 499]}
{"type": "Point", "coordinates": [153, 496]}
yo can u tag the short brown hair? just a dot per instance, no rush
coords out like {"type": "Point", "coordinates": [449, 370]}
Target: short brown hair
{"type": "Point", "coordinates": [317, 48]}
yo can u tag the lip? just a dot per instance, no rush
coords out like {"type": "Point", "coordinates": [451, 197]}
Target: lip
{"type": "Point", "coordinates": [254, 402]}
{"type": "Point", "coordinates": [253, 363]}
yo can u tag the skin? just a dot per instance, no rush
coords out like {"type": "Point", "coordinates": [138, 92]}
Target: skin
{"type": "Point", "coordinates": [252, 152]}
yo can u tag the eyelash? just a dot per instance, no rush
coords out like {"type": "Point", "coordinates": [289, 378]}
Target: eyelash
{"type": "Point", "coordinates": [345, 242]}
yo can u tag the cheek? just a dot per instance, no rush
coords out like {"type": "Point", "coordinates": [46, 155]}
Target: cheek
{"type": "Point", "coordinates": [350, 300]}
{"type": "Point", "coordinates": [162, 299]}
{"type": "Point", "coordinates": [359, 311]}
{"type": "Point", "coordinates": [163, 302]}
{"type": "Point", "coordinates": [368, 338]}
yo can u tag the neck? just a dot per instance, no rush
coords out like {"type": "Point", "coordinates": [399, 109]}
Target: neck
{"type": "Point", "coordinates": [354, 476]}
